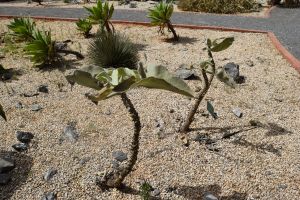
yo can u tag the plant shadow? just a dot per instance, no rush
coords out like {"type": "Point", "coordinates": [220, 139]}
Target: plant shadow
{"type": "Point", "coordinates": [182, 40]}
{"type": "Point", "coordinates": [129, 190]}
{"type": "Point", "coordinates": [19, 175]}
{"type": "Point", "coordinates": [230, 131]}
{"type": "Point", "coordinates": [199, 192]}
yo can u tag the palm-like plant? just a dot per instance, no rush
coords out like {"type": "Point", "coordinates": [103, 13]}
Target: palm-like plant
{"type": "Point", "coordinates": [113, 50]}
{"type": "Point", "coordinates": [22, 28]}
{"type": "Point", "coordinates": [111, 82]}
{"type": "Point", "coordinates": [84, 26]}
{"type": "Point", "coordinates": [160, 16]}
{"type": "Point", "coordinates": [101, 14]}
{"type": "Point", "coordinates": [44, 51]}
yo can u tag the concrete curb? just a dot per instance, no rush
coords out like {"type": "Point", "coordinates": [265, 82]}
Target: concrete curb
{"type": "Point", "coordinates": [285, 53]}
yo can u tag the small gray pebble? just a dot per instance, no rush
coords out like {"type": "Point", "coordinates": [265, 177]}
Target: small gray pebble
{"type": "Point", "coordinates": [237, 112]}
{"type": "Point", "coordinates": [49, 174]}
{"type": "Point", "coordinates": [36, 107]}
{"type": "Point", "coordinates": [50, 196]}
{"type": "Point", "coordinates": [209, 196]}
{"type": "Point", "coordinates": [119, 156]}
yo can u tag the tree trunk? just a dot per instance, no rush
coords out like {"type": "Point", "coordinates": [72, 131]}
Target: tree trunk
{"type": "Point", "coordinates": [115, 178]}
{"type": "Point", "coordinates": [171, 28]}
{"type": "Point", "coordinates": [207, 82]}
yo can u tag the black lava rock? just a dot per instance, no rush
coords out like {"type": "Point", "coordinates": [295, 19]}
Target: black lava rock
{"type": "Point", "coordinates": [24, 137]}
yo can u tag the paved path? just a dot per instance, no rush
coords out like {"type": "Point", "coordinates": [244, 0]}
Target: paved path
{"type": "Point", "coordinates": [284, 23]}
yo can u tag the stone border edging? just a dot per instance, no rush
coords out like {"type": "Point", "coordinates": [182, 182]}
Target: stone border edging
{"type": "Point", "coordinates": [284, 52]}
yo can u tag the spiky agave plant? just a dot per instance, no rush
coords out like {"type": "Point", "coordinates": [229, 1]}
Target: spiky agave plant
{"type": "Point", "coordinates": [45, 51]}
{"type": "Point", "coordinates": [160, 16]}
{"type": "Point", "coordinates": [113, 50]}
{"type": "Point", "coordinates": [85, 26]}
{"type": "Point", "coordinates": [209, 71]}
{"type": "Point", "coordinates": [101, 14]}
{"type": "Point", "coordinates": [111, 82]}
{"type": "Point", "coordinates": [22, 28]}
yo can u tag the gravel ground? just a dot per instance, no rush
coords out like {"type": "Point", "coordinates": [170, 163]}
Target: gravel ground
{"type": "Point", "coordinates": [256, 163]}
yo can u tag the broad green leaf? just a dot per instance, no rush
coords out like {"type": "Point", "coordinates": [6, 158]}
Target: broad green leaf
{"type": "Point", "coordinates": [85, 79]}
{"type": "Point", "coordinates": [220, 46]}
{"type": "Point", "coordinates": [2, 113]}
{"type": "Point", "coordinates": [211, 110]}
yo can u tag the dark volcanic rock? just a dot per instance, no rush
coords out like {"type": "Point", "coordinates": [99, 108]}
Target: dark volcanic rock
{"type": "Point", "coordinates": [20, 147]}
{"type": "Point", "coordinates": [24, 137]}
{"type": "Point", "coordinates": [6, 165]}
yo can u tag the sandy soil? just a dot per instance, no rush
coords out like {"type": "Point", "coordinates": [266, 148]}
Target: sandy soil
{"type": "Point", "coordinates": [256, 163]}
{"type": "Point", "coordinates": [140, 6]}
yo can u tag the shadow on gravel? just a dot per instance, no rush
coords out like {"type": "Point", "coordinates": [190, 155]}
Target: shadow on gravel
{"type": "Point", "coordinates": [182, 40]}
{"type": "Point", "coordinates": [199, 192]}
{"type": "Point", "coordinates": [19, 175]}
{"type": "Point", "coordinates": [263, 147]}
{"type": "Point", "coordinates": [129, 190]}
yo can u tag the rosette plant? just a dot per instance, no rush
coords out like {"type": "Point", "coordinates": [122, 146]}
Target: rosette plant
{"type": "Point", "coordinates": [45, 51]}
{"type": "Point", "coordinates": [22, 28]}
{"type": "Point", "coordinates": [160, 16]}
{"type": "Point", "coordinates": [85, 26]}
{"type": "Point", "coordinates": [111, 82]}
{"type": "Point", "coordinates": [101, 14]}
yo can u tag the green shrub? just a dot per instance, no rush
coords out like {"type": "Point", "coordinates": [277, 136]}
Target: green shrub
{"type": "Point", "coordinates": [292, 3]}
{"type": "Point", "coordinates": [84, 26]}
{"type": "Point", "coordinates": [101, 14]}
{"type": "Point", "coordinates": [22, 28]}
{"type": "Point", "coordinates": [45, 51]}
{"type": "Point", "coordinates": [218, 6]}
{"type": "Point", "coordinates": [113, 50]}
{"type": "Point", "coordinates": [160, 16]}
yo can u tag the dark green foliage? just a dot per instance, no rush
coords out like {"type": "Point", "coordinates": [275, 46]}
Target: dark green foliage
{"type": "Point", "coordinates": [84, 26]}
{"type": "Point", "coordinates": [22, 28]}
{"type": "Point", "coordinates": [41, 50]}
{"type": "Point", "coordinates": [292, 3]}
{"type": "Point", "coordinates": [219, 6]}
{"type": "Point", "coordinates": [113, 50]}
{"type": "Point", "coordinates": [101, 14]}
{"type": "Point", "coordinates": [145, 190]}
{"type": "Point", "coordinates": [160, 16]}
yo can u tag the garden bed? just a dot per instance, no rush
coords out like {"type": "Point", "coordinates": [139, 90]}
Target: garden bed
{"type": "Point", "coordinates": [256, 162]}
{"type": "Point", "coordinates": [140, 5]}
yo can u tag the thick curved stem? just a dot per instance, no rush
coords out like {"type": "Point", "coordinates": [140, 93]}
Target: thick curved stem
{"type": "Point", "coordinates": [206, 85]}
{"type": "Point", "coordinates": [77, 54]}
{"type": "Point", "coordinates": [171, 28]}
{"type": "Point", "coordinates": [114, 179]}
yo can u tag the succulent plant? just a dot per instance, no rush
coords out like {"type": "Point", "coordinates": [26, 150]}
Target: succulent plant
{"type": "Point", "coordinates": [160, 16]}
{"type": "Point", "coordinates": [44, 51]}
{"type": "Point", "coordinates": [209, 67]}
{"type": "Point", "coordinates": [117, 81]}
{"type": "Point", "coordinates": [113, 50]}
{"type": "Point", "coordinates": [101, 14]}
{"type": "Point", "coordinates": [22, 28]}
{"type": "Point", "coordinates": [85, 26]}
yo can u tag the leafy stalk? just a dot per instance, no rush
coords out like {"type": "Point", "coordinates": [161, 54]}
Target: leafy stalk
{"type": "Point", "coordinates": [209, 67]}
